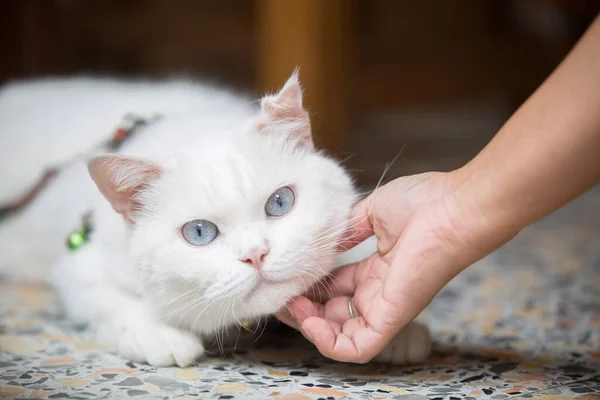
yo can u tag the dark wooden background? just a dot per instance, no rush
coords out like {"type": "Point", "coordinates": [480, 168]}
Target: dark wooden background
{"type": "Point", "coordinates": [438, 77]}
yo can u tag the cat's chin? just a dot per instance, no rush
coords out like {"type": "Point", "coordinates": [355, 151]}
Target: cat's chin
{"type": "Point", "coordinates": [269, 296]}
{"type": "Point", "coordinates": [263, 287]}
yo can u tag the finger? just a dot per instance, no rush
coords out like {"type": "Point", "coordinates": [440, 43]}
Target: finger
{"type": "Point", "coordinates": [360, 225]}
{"type": "Point", "coordinates": [302, 308]}
{"type": "Point", "coordinates": [336, 336]}
{"type": "Point", "coordinates": [337, 310]}
{"type": "Point", "coordinates": [359, 347]}
{"type": "Point", "coordinates": [417, 274]}
{"type": "Point", "coordinates": [286, 317]}
{"type": "Point", "coordinates": [339, 283]}
{"type": "Point", "coordinates": [344, 281]}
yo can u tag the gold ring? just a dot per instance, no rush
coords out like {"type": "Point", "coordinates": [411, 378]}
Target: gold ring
{"type": "Point", "coordinates": [351, 309]}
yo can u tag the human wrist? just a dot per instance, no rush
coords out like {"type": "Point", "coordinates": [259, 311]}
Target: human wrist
{"type": "Point", "coordinates": [482, 214]}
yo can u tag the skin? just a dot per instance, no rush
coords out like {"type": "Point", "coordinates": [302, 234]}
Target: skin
{"type": "Point", "coordinates": [434, 225]}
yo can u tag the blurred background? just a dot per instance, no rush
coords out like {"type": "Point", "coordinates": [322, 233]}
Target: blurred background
{"type": "Point", "coordinates": [437, 78]}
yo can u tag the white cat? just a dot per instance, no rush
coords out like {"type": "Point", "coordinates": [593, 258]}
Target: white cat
{"type": "Point", "coordinates": [220, 211]}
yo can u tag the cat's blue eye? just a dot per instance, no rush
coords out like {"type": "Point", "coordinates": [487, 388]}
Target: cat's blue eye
{"type": "Point", "coordinates": [199, 232]}
{"type": "Point", "coordinates": [280, 202]}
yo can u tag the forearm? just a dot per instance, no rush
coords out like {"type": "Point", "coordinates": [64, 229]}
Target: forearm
{"type": "Point", "coordinates": [548, 152]}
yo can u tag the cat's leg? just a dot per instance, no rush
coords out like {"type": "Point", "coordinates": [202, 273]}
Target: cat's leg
{"type": "Point", "coordinates": [411, 345]}
{"type": "Point", "coordinates": [119, 317]}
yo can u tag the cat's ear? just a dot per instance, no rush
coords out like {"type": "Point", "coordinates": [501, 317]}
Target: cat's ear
{"type": "Point", "coordinates": [120, 179]}
{"type": "Point", "coordinates": [284, 112]}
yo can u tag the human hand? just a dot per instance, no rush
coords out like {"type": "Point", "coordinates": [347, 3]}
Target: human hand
{"type": "Point", "coordinates": [424, 239]}
{"type": "Point", "coordinates": [431, 226]}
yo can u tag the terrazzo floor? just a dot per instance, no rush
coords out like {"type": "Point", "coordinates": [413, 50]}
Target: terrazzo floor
{"type": "Point", "coordinates": [522, 323]}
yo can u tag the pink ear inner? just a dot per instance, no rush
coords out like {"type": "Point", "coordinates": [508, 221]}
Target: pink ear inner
{"type": "Point", "coordinates": [284, 111]}
{"type": "Point", "coordinates": [120, 180]}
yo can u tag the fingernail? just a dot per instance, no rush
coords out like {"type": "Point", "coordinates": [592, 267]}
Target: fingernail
{"type": "Point", "coordinates": [308, 335]}
{"type": "Point", "coordinates": [292, 313]}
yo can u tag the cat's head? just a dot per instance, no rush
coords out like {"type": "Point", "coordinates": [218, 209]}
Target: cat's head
{"type": "Point", "coordinates": [233, 230]}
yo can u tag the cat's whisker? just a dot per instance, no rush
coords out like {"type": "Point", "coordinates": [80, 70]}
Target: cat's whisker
{"type": "Point", "coordinates": [182, 307]}
{"type": "Point", "coordinates": [318, 282]}
{"type": "Point", "coordinates": [221, 330]}
{"type": "Point", "coordinates": [204, 310]}
{"type": "Point", "coordinates": [192, 305]}
{"type": "Point", "coordinates": [326, 282]}
{"type": "Point", "coordinates": [261, 332]}
{"type": "Point", "coordinates": [179, 297]}
{"type": "Point", "coordinates": [340, 229]}
{"type": "Point", "coordinates": [333, 231]}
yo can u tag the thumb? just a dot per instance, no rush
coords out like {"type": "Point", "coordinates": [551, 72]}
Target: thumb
{"type": "Point", "coordinates": [360, 224]}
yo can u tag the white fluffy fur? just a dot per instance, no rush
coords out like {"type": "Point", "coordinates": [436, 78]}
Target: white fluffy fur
{"type": "Point", "coordinates": [140, 285]}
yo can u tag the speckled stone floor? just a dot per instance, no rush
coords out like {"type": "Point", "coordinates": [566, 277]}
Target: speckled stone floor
{"type": "Point", "coordinates": [522, 323]}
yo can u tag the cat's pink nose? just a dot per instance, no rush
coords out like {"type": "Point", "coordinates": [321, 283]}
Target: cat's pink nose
{"type": "Point", "coordinates": [256, 257]}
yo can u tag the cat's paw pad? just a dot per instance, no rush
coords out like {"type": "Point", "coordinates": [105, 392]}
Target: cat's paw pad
{"type": "Point", "coordinates": [411, 345]}
{"type": "Point", "coordinates": [160, 345]}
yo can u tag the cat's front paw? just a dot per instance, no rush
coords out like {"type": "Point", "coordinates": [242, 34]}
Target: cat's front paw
{"type": "Point", "coordinates": [159, 345]}
{"type": "Point", "coordinates": [411, 345]}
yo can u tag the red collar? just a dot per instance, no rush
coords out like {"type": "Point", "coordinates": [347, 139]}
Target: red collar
{"type": "Point", "coordinates": [128, 125]}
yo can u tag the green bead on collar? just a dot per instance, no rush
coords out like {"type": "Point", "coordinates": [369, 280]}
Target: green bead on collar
{"type": "Point", "coordinates": [81, 236]}
{"type": "Point", "coordinates": [77, 239]}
